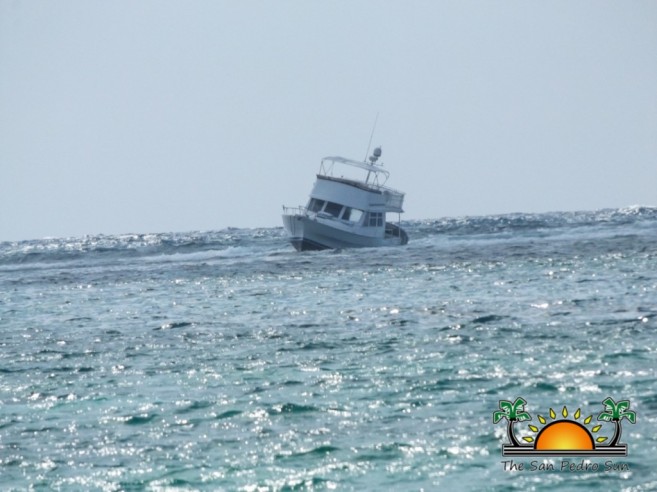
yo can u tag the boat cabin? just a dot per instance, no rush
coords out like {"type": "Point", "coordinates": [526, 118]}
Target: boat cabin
{"type": "Point", "coordinates": [347, 207]}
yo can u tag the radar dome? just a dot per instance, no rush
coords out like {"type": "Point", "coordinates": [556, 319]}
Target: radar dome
{"type": "Point", "coordinates": [375, 155]}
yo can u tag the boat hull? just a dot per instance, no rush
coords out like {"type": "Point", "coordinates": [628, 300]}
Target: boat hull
{"type": "Point", "coordinates": [310, 234]}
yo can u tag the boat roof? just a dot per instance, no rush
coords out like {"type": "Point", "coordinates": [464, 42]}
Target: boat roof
{"type": "Point", "coordinates": [374, 181]}
{"type": "Point", "coordinates": [362, 165]}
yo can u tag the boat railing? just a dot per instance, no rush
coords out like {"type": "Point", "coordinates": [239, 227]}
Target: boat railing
{"type": "Point", "coordinates": [300, 210]}
{"type": "Point", "coordinates": [393, 198]}
{"type": "Point", "coordinates": [376, 176]}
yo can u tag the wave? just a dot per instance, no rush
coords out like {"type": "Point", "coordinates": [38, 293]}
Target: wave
{"type": "Point", "coordinates": [159, 247]}
{"type": "Point", "coordinates": [520, 222]}
{"type": "Point", "coordinates": [239, 243]}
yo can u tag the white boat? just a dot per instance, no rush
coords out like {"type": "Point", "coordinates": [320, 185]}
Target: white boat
{"type": "Point", "coordinates": [348, 208]}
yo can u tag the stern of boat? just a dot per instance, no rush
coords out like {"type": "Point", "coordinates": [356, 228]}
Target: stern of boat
{"type": "Point", "coordinates": [393, 231]}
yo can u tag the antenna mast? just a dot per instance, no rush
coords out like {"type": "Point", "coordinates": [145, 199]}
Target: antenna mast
{"type": "Point", "coordinates": [371, 136]}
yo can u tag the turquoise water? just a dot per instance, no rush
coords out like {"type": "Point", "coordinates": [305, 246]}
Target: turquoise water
{"type": "Point", "coordinates": [227, 361]}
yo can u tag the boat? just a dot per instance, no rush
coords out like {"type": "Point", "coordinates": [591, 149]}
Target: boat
{"type": "Point", "coordinates": [348, 208]}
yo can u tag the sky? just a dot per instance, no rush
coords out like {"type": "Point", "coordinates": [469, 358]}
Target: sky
{"type": "Point", "coordinates": [174, 116]}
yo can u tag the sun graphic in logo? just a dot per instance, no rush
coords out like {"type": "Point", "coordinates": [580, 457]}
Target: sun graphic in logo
{"type": "Point", "coordinates": [564, 436]}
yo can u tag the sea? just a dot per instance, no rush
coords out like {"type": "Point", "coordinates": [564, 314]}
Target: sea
{"type": "Point", "coordinates": [225, 360]}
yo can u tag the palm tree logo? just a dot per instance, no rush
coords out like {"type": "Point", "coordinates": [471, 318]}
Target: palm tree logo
{"type": "Point", "coordinates": [513, 412]}
{"type": "Point", "coordinates": [616, 412]}
{"type": "Point", "coordinates": [565, 434]}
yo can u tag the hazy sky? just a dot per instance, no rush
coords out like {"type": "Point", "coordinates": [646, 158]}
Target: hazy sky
{"type": "Point", "coordinates": [158, 116]}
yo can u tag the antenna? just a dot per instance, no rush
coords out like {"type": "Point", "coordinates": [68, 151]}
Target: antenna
{"type": "Point", "coordinates": [371, 136]}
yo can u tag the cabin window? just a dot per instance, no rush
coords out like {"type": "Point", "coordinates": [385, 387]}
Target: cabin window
{"type": "Point", "coordinates": [356, 215]}
{"type": "Point", "coordinates": [352, 214]}
{"type": "Point", "coordinates": [333, 208]}
{"type": "Point", "coordinates": [315, 205]}
{"type": "Point", "coordinates": [375, 219]}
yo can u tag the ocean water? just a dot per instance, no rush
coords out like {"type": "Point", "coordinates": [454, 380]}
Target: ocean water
{"type": "Point", "coordinates": [225, 360]}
